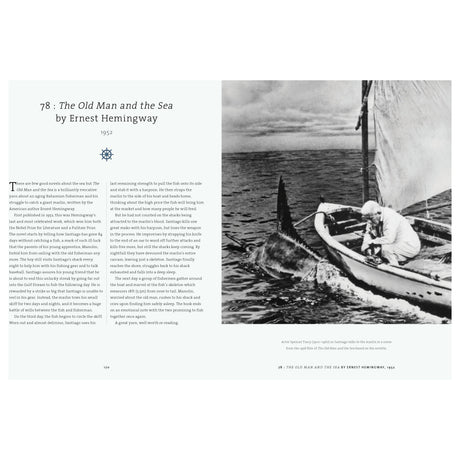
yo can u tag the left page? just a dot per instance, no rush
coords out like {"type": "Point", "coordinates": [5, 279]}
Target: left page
{"type": "Point", "coordinates": [114, 189]}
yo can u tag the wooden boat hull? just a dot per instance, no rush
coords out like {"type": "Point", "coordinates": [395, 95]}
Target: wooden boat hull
{"type": "Point", "coordinates": [393, 281]}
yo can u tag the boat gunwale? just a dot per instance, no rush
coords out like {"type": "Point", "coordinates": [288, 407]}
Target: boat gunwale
{"type": "Point", "coordinates": [320, 227]}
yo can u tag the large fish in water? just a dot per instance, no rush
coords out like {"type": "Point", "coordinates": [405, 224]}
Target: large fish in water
{"type": "Point", "coordinates": [284, 253]}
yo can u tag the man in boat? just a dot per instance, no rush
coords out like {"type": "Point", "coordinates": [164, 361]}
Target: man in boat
{"type": "Point", "coordinates": [388, 234]}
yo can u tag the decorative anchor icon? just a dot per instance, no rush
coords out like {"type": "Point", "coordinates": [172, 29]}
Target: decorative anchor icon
{"type": "Point", "coordinates": [106, 154]}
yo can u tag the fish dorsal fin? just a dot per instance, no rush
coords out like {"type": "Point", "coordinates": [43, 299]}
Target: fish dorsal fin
{"type": "Point", "coordinates": [284, 223]}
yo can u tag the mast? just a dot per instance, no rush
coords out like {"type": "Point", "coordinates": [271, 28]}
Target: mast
{"type": "Point", "coordinates": [362, 123]}
{"type": "Point", "coordinates": [365, 139]}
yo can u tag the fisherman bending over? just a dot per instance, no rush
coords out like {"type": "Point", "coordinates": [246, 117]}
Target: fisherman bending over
{"type": "Point", "coordinates": [389, 233]}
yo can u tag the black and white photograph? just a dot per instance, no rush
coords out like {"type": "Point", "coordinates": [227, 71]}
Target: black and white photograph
{"type": "Point", "coordinates": [336, 202]}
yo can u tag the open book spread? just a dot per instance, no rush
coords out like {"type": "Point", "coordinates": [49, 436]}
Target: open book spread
{"type": "Point", "coordinates": [208, 229]}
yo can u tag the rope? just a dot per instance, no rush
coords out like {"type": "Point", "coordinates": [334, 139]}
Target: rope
{"type": "Point", "coordinates": [364, 102]}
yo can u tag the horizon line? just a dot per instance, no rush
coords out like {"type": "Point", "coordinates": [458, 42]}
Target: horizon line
{"type": "Point", "coordinates": [296, 150]}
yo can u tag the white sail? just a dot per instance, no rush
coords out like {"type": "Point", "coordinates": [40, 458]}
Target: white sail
{"type": "Point", "coordinates": [413, 140]}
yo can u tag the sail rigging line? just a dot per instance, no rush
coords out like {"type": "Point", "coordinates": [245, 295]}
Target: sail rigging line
{"type": "Point", "coordinates": [426, 208]}
{"type": "Point", "coordinates": [364, 100]}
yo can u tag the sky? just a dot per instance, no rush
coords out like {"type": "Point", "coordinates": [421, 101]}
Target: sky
{"type": "Point", "coordinates": [291, 115]}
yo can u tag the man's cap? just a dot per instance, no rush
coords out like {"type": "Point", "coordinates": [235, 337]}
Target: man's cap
{"type": "Point", "coordinates": [370, 208]}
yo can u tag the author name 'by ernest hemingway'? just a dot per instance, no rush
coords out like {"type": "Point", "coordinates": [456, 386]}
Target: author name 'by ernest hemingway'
{"type": "Point", "coordinates": [108, 118]}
